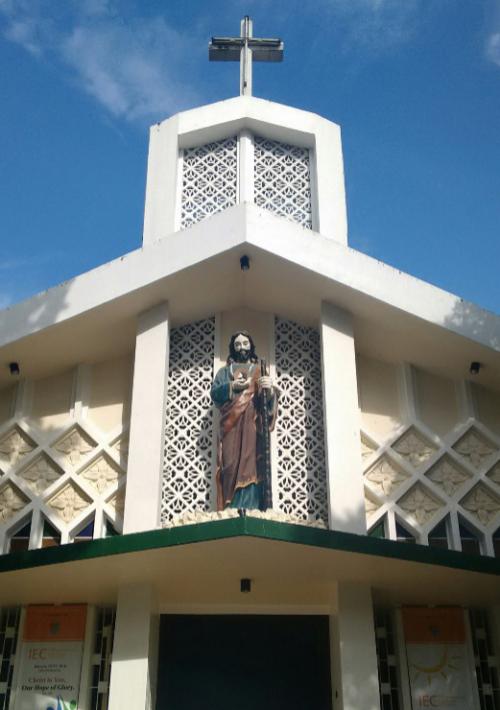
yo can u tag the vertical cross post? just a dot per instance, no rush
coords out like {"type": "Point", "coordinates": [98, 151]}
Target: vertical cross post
{"type": "Point", "coordinates": [246, 58]}
{"type": "Point", "coordinates": [245, 49]}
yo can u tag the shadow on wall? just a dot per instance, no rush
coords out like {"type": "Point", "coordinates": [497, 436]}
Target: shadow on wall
{"type": "Point", "coordinates": [360, 696]}
{"type": "Point", "coordinates": [22, 320]}
{"type": "Point", "coordinates": [35, 313]}
{"type": "Point", "coordinates": [474, 322]}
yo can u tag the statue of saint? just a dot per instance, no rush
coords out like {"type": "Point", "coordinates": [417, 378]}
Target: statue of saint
{"type": "Point", "coordinates": [238, 391]}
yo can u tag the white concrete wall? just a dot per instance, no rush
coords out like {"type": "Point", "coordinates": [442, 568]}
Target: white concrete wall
{"type": "Point", "coordinates": [51, 400]}
{"type": "Point", "coordinates": [379, 399]}
{"type": "Point", "coordinates": [488, 407]}
{"type": "Point", "coordinates": [7, 397]}
{"type": "Point", "coordinates": [110, 390]}
{"type": "Point", "coordinates": [436, 401]}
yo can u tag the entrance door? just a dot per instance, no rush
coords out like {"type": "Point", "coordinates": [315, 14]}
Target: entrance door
{"type": "Point", "coordinates": [244, 663]}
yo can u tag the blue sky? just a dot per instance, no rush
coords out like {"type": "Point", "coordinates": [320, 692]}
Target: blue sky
{"type": "Point", "coordinates": [415, 85]}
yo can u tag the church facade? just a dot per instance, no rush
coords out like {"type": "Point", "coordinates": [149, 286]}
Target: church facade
{"type": "Point", "coordinates": [121, 583]}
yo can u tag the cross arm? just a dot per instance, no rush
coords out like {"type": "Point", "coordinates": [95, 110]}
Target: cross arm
{"type": "Point", "coordinates": [266, 50]}
{"type": "Point", "coordinates": [228, 49]}
{"type": "Point", "coordinates": [225, 49]}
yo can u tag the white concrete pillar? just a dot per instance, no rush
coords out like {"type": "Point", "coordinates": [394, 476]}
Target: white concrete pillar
{"type": "Point", "coordinates": [135, 648]}
{"type": "Point", "coordinates": [353, 650]}
{"type": "Point", "coordinates": [162, 181]}
{"type": "Point", "coordinates": [147, 421]}
{"type": "Point", "coordinates": [342, 422]}
{"type": "Point", "coordinates": [328, 192]}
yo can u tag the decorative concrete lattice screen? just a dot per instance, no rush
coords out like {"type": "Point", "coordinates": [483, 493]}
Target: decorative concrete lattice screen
{"type": "Point", "coordinates": [422, 486]}
{"type": "Point", "coordinates": [101, 658]}
{"type": "Point", "coordinates": [282, 182]}
{"type": "Point", "coordinates": [485, 659]}
{"type": "Point", "coordinates": [56, 484]}
{"type": "Point", "coordinates": [9, 625]}
{"type": "Point", "coordinates": [299, 428]}
{"type": "Point", "coordinates": [189, 421]}
{"type": "Point", "coordinates": [386, 661]}
{"type": "Point", "coordinates": [209, 180]}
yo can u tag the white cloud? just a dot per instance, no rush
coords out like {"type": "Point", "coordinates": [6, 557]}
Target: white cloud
{"type": "Point", "coordinates": [11, 264]}
{"type": "Point", "coordinates": [129, 67]}
{"type": "Point", "coordinates": [371, 25]}
{"type": "Point", "coordinates": [493, 48]}
{"type": "Point", "coordinates": [5, 300]}
{"type": "Point", "coordinates": [377, 24]}
{"type": "Point", "coordinates": [24, 32]}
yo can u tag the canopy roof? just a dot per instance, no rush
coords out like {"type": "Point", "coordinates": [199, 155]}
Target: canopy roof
{"type": "Point", "coordinates": [291, 565]}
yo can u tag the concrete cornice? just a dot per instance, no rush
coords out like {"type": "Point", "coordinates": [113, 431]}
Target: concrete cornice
{"type": "Point", "coordinates": [251, 107]}
{"type": "Point", "coordinates": [292, 271]}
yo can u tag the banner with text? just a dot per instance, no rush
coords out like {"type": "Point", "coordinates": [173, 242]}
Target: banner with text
{"type": "Point", "coordinates": [51, 658]}
{"type": "Point", "coordinates": [438, 662]}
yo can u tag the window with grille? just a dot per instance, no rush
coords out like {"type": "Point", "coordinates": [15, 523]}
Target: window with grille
{"type": "Point", "coordinates": [378, 530]}
{"type": "Point", "coordinates": [300, 437]}
{"type": "Point", "coordinates": [282, 180]}
{"type": "Point", "coordinates": [9, 627]}
{"type": "Point", "coordinates": [404, 535]}
{"type": "Point", "coordinates": [188, 462]}
{"type": "Point", "coordinates": [101, 659]}
{"type": "Point", "coordinates": [386, 661]}
{"type": "Point", "coordinates": [470, 539]}
{"type": "Point", "coordinates": [209, 180]}
{"type": "Point", "coordinates": [485, 660]}
{"type": "Point", "coordinates": [438, 537]}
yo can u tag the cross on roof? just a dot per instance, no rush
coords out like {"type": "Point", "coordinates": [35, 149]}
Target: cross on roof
{"type": "Point", "coordinates": [244, 49]}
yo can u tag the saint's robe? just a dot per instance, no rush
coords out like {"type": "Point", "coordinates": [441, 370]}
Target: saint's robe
{"type": "Point", "coordinates": [240, 462]}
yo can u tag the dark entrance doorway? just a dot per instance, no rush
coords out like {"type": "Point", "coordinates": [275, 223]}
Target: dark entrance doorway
{"type": "Point", "coordinates": [244, 663]}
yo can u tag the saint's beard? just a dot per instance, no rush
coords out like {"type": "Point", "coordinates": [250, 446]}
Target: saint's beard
{"type": "Point", "coordinates": [242, 356]}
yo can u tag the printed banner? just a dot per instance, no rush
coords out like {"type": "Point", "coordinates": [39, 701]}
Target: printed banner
{"type": "Point", "coordinates": [438, 663]}
{"type": "Point", "coordinates": [51, 658]}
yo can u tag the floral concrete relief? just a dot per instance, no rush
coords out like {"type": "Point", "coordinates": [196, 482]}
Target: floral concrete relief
{"type": "Point", "coordinates": [14, 446]}
{"type": "Point", "coordinates": [448, 475]}
{"type": "Point", "coordinates": [40, 474]}
{"type": "Point", "coordinates": [102, 473]}
{"type": "Point", "coordinates": [11, 501]}
{"type": "Point", "coordinates": [482, 503]}
{"type": "Point", "coordinates": [75, 446]}
{"type": "Point", "coordinates": [420, 504]}
{"type": "Point", "coordinates": [414, 448]}
{"type": "Point", "coordinates": [69, 502]}
{"type": "Point", "coordinates": [385, 476]}
{"type": "Point", "coordinates": [475, 448]}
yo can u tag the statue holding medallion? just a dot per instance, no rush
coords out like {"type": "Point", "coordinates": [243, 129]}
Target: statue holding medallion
{"type": "Point", "coordinates": [247, 400]}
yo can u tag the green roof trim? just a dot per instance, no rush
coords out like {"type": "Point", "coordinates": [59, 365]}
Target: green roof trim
{"type": "Point", "coordinates": [247, 526]}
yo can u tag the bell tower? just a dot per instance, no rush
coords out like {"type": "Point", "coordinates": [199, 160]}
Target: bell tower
{"type": "Point", "coordinates": [245, 150]}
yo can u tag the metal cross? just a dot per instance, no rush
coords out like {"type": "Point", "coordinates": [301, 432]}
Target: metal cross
{"type": "Point", "coordinates": [244, 49]}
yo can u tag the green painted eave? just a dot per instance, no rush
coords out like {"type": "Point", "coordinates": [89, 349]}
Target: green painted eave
{"type": "Point", "coordinates": [248, 527]}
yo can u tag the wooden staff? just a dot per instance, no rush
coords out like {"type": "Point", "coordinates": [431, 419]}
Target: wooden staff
{"type": "Point", "coordinates": [266, 440]}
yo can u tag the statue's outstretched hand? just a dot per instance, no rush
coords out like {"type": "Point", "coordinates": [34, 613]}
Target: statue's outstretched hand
{"type": "Point", "coordinates": [265, 382]}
